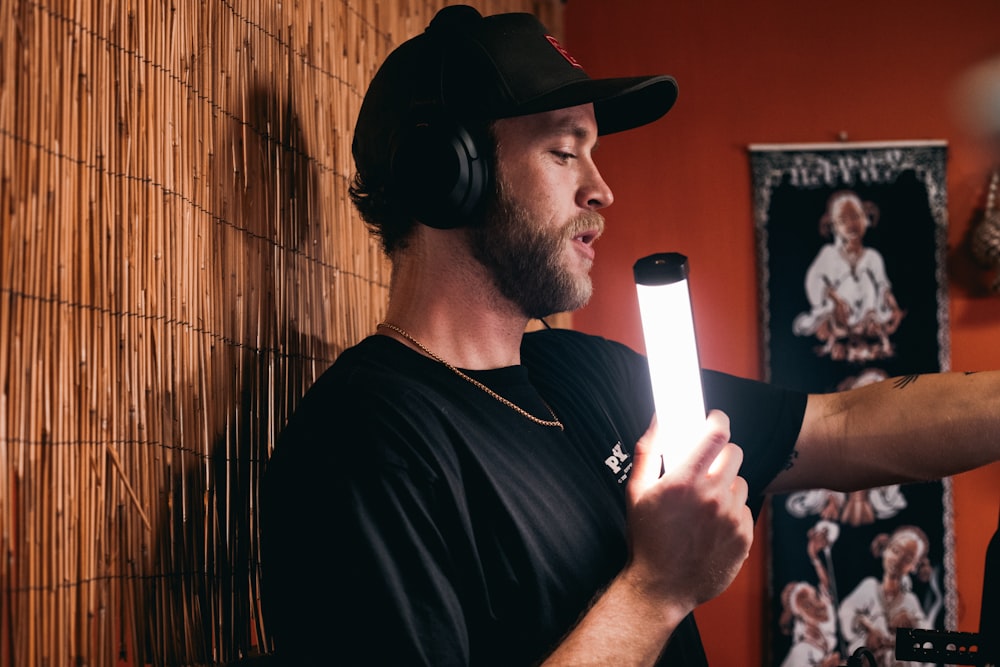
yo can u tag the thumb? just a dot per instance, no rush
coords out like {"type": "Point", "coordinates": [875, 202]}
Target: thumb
{"type": "Point", "coordinates": [647, 464]}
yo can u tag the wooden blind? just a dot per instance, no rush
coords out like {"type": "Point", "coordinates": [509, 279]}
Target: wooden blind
{"type": "Point", "coordinates": [179, 262]}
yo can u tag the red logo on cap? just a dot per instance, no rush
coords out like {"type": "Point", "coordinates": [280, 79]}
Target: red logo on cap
{"type": "Point", "coordinates": [565, 54]}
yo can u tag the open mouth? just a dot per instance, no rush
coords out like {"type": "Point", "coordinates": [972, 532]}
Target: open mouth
{"type": "Point", "coordinates": [584, 242]}
{"type": "Point", "coordinates": [585, 231]}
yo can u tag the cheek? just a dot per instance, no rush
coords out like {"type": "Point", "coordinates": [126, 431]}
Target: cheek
{"type": "Point", "coordinates": [541, 206]}
{"type": "Point", "coordinates": [537, 180]}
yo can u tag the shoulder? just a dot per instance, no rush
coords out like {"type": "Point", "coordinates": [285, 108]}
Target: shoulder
{"type": "Point", "coordinates": [378, 369]}
{"type": "Point", "coordinates": [868, 584]}
{"type": "Point", "coordinates": [564, 360]}
{"type": "Point", "coordinates": [372, 402]}
{"type": "Point", "coordinates": [568, 339]}
{"type": "Point", "coordinates": [829, 254]}
{"type": "Point", "coordinates": [872, 257]}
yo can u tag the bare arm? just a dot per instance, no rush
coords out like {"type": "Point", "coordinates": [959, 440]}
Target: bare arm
{"type": "Point", "coordinates": [689, 534]}
{"type": "Point", "coordinates": [912, 428]}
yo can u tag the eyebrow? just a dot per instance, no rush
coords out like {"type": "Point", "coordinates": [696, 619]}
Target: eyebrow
{"type": "Point", "coordinates": [575, 129]}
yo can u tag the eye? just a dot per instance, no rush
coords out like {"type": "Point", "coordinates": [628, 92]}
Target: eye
{"type": "Point", "coordinates": [563, 156]}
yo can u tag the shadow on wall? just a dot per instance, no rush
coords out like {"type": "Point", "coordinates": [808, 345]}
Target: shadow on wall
{"type": "Point", "coordinates": [266, 272]}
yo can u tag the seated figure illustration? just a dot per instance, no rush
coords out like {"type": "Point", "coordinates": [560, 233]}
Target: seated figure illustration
{"type": "Point", "coordinates": [853, 310]}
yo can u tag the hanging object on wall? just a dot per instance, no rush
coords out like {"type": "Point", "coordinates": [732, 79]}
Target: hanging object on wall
{"type": "Point", "coordinates": [851, 250]}
{"type": "Point", "coordinates": [984, 238]}
{"type": "Point", "coordinates": [976, 103]}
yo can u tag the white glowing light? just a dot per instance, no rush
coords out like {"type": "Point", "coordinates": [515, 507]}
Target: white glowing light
{"type": "Point", "coordinates": [672, 352]}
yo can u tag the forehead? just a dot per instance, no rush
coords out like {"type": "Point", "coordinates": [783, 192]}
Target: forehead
{"type": "Point", "coordinates": [849, 202]}
{"type": "Point", "coordinates": [574, 122]}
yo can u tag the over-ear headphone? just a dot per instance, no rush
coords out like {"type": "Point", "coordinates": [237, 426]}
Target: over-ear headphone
{"type": "Point", "coordinates": [439, 169]}
{"type": "Point", "coordinates": [437, 165]}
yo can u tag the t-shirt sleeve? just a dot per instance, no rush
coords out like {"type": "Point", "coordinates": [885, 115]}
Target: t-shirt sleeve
{"type": "Point", "coordinates": [765, 421]}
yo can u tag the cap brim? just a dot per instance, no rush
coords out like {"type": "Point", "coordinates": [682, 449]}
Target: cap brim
{"type": "Point", "coordinates": [639, 100]}
{"type": "Point", "coordinates": [619, 104]}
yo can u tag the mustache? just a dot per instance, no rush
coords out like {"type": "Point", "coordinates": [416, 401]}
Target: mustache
{"type": "Point", "coordinates": [588, 221]}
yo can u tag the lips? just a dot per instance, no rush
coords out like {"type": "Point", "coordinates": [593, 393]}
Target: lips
{"type": "Point", "coordinates": [584, 230]}
{"type": "Point", "coordinates": [587, 227]}
{"type": "Point", "coordinates": [584, 243]}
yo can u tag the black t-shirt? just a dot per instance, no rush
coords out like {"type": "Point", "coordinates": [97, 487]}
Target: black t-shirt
{"type": "Point", "coordinates": [410, 518]}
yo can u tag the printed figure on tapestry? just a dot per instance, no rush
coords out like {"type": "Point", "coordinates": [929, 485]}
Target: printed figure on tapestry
{"type": "Point", "coordinates": [870, 614]}
{"type": "Point", "coordinates": [853, 310]}
{"type": "Point", "coordinates": [808, 610]}
{"type": "Point", "coordinates": [881, 602]}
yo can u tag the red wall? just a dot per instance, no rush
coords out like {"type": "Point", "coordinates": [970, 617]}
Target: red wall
{"type": "Point", "coordinates": [784, 71]}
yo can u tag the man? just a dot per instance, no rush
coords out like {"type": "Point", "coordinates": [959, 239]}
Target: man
{"type": "Point", "coordinates": [453, 491]}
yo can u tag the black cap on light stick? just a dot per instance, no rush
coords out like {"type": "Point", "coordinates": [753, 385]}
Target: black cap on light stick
{"type": "Point", "coordinates": [662, 268]}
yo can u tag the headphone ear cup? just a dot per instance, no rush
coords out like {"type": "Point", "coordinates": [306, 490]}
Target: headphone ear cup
{"type": "Point", "coordinates": [440, 172]}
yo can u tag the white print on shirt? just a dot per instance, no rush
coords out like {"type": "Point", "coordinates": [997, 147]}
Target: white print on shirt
{"type": "Point", "coordinates": [616, 460]}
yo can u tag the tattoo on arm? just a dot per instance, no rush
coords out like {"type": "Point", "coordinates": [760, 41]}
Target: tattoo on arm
{"type": "Point", "coordinates": [790, 463]}
{"type": "Point", "coordinates": [904, 381]}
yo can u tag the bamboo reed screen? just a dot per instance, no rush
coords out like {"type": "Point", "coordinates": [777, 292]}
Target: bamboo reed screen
{"type": "Point", "coordinates": [180, 261]}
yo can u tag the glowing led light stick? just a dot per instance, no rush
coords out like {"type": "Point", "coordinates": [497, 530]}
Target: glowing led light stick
{"type": "Point", "coordinates": [672, 351]}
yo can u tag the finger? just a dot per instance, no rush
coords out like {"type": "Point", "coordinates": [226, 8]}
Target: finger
{"type": "Point", "coordinates": [740, 490]}
{"type": "Point", "coordinates": [746, 514]}
{"type": "Point", "coordinates": [647, 462]}
{"type": "Point", "coordinates": [727, 464]}
{"type": "Point", "coordinates": [747, 530]}
{"type": "Point", "coordinates": [715, 438]}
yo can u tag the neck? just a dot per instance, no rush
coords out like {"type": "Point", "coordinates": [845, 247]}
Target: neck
{"type": "Point", "coordinates": [445, 299]}
{"type": "Point", "coordinates": [851, 246]}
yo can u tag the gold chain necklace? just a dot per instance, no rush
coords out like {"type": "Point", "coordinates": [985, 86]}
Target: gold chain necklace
{"type": "Point", "coordinates": [510, 404]}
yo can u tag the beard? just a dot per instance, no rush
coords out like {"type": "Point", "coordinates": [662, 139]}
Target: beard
{"type": "Point", "coordinates": [526, 259]}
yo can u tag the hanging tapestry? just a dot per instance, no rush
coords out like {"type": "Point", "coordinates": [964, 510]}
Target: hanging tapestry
{"type": "Point", "coordinates": [851, 256]}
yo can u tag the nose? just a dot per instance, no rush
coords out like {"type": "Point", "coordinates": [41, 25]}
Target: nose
{"type": "Point", "coordinates": [594, 193]}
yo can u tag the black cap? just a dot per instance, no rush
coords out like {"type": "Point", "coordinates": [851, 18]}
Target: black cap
{"type": "Point", "coordinates": [486, 68]}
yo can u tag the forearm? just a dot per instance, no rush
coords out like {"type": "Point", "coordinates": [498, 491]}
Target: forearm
{"type": "Point", "coordinates": [903, 429]}
{"type": "Point", "coordinates": [625, 626]}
